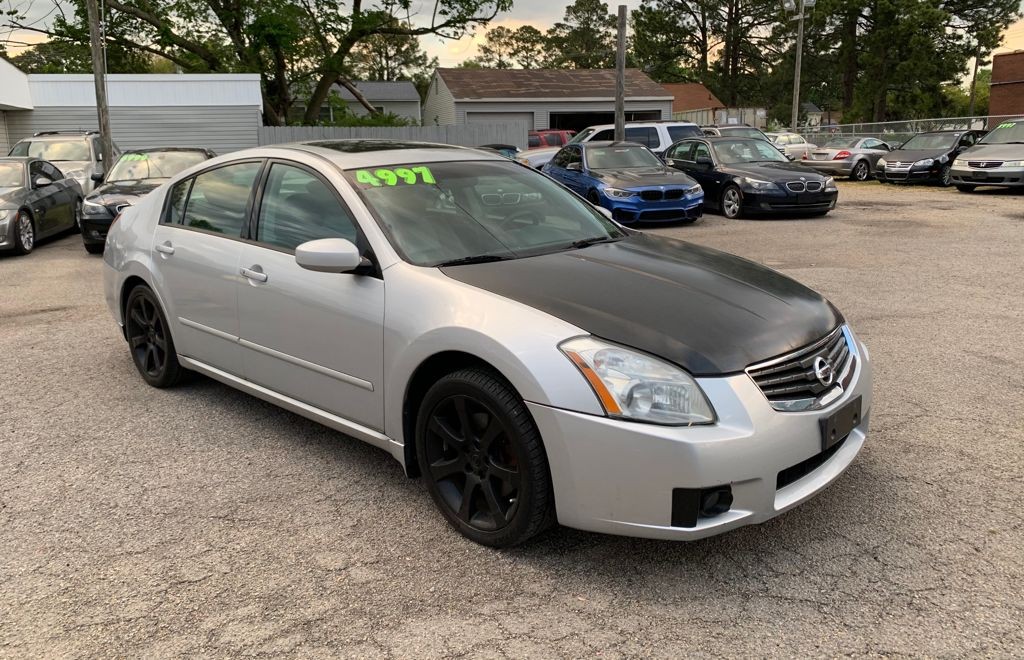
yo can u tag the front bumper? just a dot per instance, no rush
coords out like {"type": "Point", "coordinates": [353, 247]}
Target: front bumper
{"type": "Point", "coordinates": [990, 176]}
{"type": "Point", "coordinates": [808, 202]}
{"type": "Point", "coordinates": [7, 232]}
{"type": "Point", "coordinates": [94, 229]}
{"type": "Point", "coordinates": [618, 477]}
{"type": "Point", "coordinates": [924, 174]}
{"type": "Point", "coordinates": [635, 209]}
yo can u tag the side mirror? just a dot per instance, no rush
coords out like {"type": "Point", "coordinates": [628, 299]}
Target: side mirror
{"type": "Point", "coordinates": [605, 212]}
{"type": "Point", "coordinates": [574, 167]}
{"type": "Point", "coordinates": [42, 182]}
{"type": "Point", "coordinates": [705, 162]}
{"type": "Point", "coordinates": [97, 177]}
{"type": "Point", "coordinates": [670, 162]}
{"type": "Point", "coordinates": [329, 255]}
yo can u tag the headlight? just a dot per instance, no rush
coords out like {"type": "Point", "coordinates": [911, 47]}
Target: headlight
{"type": "Point", "coordinates": [925, 162]}
{"type": "Point", "coordinates": [91, 208]}
{"type": "Point", "coordinates": [881, 162]}
{"type": "Point", "coordinates": [758, 184]}
{"type": "Point", "coordinates": [959, 162]}
{"type": "Point", "coordinates": [1013, 163]}
{"type": "Point", "coordinates": [694, 191]}
{"type": "Point", "coordinates": [632, 385]}
{"type": "Point", "coordinates": [4, 213]}
{"type": "Point", "coordinates": [830, 183]}
{"type": "Point", "coordinates": [618, 193]}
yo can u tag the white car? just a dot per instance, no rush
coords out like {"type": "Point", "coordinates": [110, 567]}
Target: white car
{"type": "Point", "coordinates": [495, 333]}
{"type": "Point", "coordinates": [655, 135]}
{"type": "Point", "coordinates": [793, 144]}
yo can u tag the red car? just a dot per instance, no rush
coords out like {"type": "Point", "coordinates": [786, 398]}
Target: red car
{"type": "Point", "coordinates": [548, 138]}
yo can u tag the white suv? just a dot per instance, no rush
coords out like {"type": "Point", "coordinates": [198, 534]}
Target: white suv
{"type": "Point", "coordinates": [78, 154]}
{"type": "Point", "coordinates": [655, 135]}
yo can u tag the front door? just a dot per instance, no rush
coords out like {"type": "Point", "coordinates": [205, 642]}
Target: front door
{"type": "Point", "coordinates": [197, 247]}
{"type": "Point", "coordinates": [315, 337]}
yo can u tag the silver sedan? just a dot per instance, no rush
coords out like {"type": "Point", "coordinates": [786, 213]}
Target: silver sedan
{"type": "Point", "coordinates": [496, 334]}
{"type": "Point", "coordinates": [854, 157]}
{"type": "Point", "coordinates": [36, 200]}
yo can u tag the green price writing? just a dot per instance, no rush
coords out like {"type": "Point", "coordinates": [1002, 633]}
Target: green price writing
{"type": "Point", "coordinates": [392, 177]}
{"type": "Point", "coordinates": [135, 157]}
{"type": "Point", "coordinates": [1006, 124]}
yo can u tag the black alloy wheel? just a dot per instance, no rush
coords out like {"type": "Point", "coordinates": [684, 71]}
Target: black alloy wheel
{"type": "Point", "coordinates": [483, 459]}
{"type": "Point", "coordinates": [945, 177]}
{"type": "Point", "coordinates": [149, 339]}
{"type": "Point", "coordinates": [861, 171]}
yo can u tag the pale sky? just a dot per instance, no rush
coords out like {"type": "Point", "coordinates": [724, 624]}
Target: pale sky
{"type": "Point", "coordinates": [540, 13]}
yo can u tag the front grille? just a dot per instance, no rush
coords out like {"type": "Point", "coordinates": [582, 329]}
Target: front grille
{"type": "Point", "coordinates": [813, 186]}
{"type": "Point", "coordinates": [898, 165]}
{"type": "Point", "coordinates": [650, 195]}
{"type": "Point", "coordinates": [796, 186]}
{"type": "Point", "coordinates": [792, 379]}
{"type": "Point", "coordinates": [675, 193]}
{"type": "Point", "coordinates": [984, 163]}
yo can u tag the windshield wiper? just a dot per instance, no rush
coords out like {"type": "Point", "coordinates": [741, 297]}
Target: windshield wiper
{"type": "Point", "coordinates": [587, 242]}
{"type": "Point", "coordinates": [475, 259]}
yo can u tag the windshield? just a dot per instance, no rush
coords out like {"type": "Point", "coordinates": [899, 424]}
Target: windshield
{"type": "Point", "coordinates": [54, 150]}
{"type": "Point", "coordinates": [153, 165]}
{"type": "Point", "coordinates": [842, 143]}
{"type": "Point", "coordinates": [444, 212]}
{"type": "Point", "coordinates": [931, 141]}
{"type": "Point", "coordinates": [11, 175]}
{"type": "Point", "coordinates": [742, 131]}
{"type": "Point", "coordinates": [1009, 132]}
{"type": "Point", "coordinates": [747, 151]}
{"type": "Point", "coordinates": [614, 158]}
{"type": "Point", "coordinates": [678, 133]}
{"type": "Point", "coordinates": [581, 136]}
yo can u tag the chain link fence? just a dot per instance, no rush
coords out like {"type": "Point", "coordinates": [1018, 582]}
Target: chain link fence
{"type": "Point", "coordinates": [901, 131]}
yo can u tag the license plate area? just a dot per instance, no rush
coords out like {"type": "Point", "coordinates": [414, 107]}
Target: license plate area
{"type": "Point", "coordinates": [980, 175]}
{"type": "Point", "coordinates": [838, 425]}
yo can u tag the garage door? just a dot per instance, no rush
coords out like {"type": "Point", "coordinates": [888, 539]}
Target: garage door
{"type": "Point", "coordinates": [500, 118]}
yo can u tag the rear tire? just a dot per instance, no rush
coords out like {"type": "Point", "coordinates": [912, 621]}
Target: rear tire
{"type": "Point", "coordinates": [731, 203]}
{"type": "Point", "coordinates": [965, 188]}
{"type": "Point", "coordinates": [483, 460]}
{"type": "Point", "coordinates": [861, 171]}
{"type": "Point", "coordinates": [24, 232]}
{"type": "Point", "coordinates": [149, 339]}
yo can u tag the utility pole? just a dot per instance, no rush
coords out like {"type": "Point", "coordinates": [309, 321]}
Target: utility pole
{"type": "Point", "coordinates": [799, 58]}
{"type": "Point", "coordinates": [974, 81]}
{"type": "Point", "coordinates": [99, 72]}
{"type": "Point", "coordinates": [620, 77]}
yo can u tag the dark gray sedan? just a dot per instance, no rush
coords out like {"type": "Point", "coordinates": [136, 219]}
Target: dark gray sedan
{"type": "Point", "coordinates": [36, 201]}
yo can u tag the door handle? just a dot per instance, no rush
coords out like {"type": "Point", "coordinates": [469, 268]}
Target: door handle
{"type": "Point", "coordinates": [165, 247]}
{"type": "Point", "coordinates": [255, 274]}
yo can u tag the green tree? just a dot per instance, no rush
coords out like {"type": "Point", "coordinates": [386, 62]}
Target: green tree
{"type": "Point", "coordinates": [529, 47]}
{"type": "Point", "coordinates": [585, 39]}
{"type": "Point", "coordinates": [496, 52]}
{"type": "Point", "coordinates": [673, 40]}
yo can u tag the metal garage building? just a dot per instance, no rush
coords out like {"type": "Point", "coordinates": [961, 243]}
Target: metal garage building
{"type": "Point", "coordinates": [540, 98]}
{"type": "Point", "coordinates": [218, 111]}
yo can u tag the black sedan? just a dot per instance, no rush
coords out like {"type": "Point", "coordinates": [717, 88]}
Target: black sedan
{"type": "Point", "coordinates": [926, 157]}
{"type": "Point", "coordinates": [746, 176]}
{"type": "Point", "coordinates": [134, 174]}
{"type": "Point", "coordinates": [36, 201]}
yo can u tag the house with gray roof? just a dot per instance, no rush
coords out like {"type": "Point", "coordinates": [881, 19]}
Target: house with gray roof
{"type": "Point", "coordinates": [540, 98]}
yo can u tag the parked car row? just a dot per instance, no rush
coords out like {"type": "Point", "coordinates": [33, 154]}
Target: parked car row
{"type": "Point", "coordinates": [55, 182]}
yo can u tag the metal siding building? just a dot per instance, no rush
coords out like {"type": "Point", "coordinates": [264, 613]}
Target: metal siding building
{"type": "Point", "coordinates": [398, 97]}
{"type": "Point", "coordinates": [217, 111]}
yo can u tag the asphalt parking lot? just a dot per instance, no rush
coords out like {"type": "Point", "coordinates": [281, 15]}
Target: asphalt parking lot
{"type": "Point", "coordinates": [201, 521]}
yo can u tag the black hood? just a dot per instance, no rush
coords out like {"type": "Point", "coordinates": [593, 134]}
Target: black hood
{"type": "Point", "coordinates": [709, 312]}
{"type": "Point", "coordinates": [120, 192]}
{"type": "Point", "coordinates": [913, 155]}
{"type": "Point", "coordinates": [636, 177]}
{"type": "Point", "coordinates": [774, 171]}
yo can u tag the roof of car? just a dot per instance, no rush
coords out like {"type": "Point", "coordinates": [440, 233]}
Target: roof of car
{"type": "Point", "coordinates": [642, 123]}
{"type": "Point", "coordinates": [141, 150]}
{"type": "Point", "coordinates": [609, 143]}
{"type": "Point", "coordinates": [373, 153]}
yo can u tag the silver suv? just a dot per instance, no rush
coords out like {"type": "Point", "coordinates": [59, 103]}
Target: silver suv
{"type": "Point", "coordinates": [78, 154]}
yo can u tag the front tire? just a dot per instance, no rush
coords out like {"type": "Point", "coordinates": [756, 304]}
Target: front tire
{"type": "Point", "coordinates": [93, 248]}
{"type": "Point", "coordinates": [24, 233]}
{"type": "Point", "coordinates": [945, 176]}
{"type": "Point", "coordinates": [861, 171]}
{"type": "Point", "coordinates": [483, 459]}
{"type": "Point", "coordinates": [732, 202]}
{"type": "Point", "coordinates": [149, 338]}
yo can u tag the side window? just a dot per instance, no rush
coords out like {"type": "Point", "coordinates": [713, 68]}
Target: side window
{"type": "Point", "coordinates": [647, 136]}
{"type": "Point", "coordinates": [51, 172]}
{"type": "Point", "coordinates": [701, 151]}
{"type": "Point", "coordinates": [20, 150]}
{"type": "Point", "coordinates": [219, 199]}
{"type": "Point", "coordinates": [176, 202]}
{"type": "Point", "coordinates": [967, 140]}
{"type": "Point", "coordinates": [553, 139]}
{"type": "Point", "coordinates": [574, 156]}
{"type": "Point", "coordinates": [35, 169]}
{"type": "Point", "coordinates": [299, 207]}
{"type": "Point", "coordinates": [606, 134]}
{"type": "Point", "coordinates": [681, 151]}
{"type": "Point", "coordinates": [533, 141]}
{"type": "Point", "coordinates": [561, 159]}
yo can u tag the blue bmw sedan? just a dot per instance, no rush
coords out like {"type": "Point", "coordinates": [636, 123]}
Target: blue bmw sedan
{"type": "Point", "coordinates": [628, 180]}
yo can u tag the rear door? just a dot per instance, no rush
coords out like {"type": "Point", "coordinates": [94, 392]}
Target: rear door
{"type": "Point", "coordinates": [314, 337]}
{"type": "Point", "coordinates": [197, 248]}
